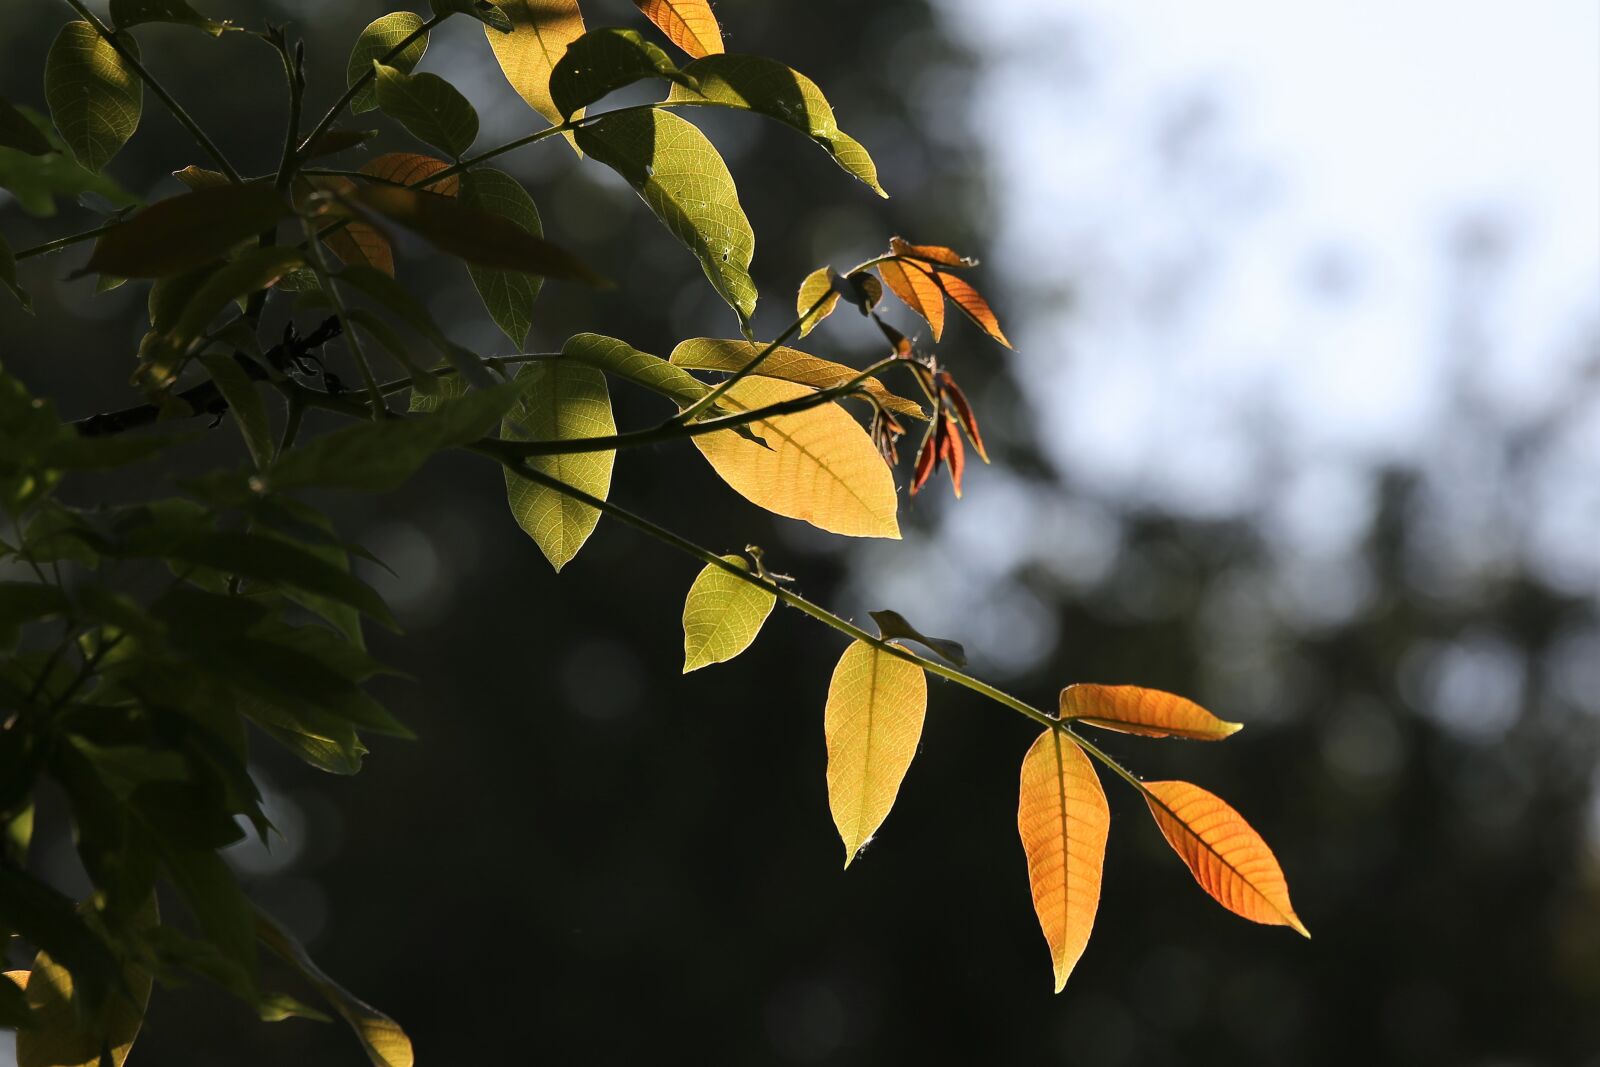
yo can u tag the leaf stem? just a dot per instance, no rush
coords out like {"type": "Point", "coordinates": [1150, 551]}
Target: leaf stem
{"type": "Point", "coordinates": [319, 263]}
{"type": "Point", "coordinates": [733, 379]}
{"type": "Point", "coordinates": [65, 242]}
{"type": "Point", "coordinates": [199, 135]}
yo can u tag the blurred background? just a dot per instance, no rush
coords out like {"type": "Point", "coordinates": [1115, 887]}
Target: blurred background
{"type": "Point", "coordinates": [1303, 422]}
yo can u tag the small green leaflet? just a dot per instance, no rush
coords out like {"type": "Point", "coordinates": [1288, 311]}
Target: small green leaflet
{"type": "Point", "coordinates": [380, 38]}
{"type": "Point", "coordinates": [772, 89]}
{"type": "Point", "coordinates": [18, 131]}
{"type": "Point", "coordinates": [892, 626]}
{"type": "Point", "coordinates": [508, 295]}
{"type": "Point", "coordinates": [94, 95]}
{"type": "Point", "coordinates": [623, 360]}
{"type": "Point", "coordinates": [680, 175]}
{"type": "Point", "coordinates": [126, 13]}
{"type": "Point", "coordinates": [722, 615]}
{"type": "Point", "coordinates": [37, 180]}
{"type": "Point", "coordinates": [602, 61]}
{"type": "Point", "coordinates": [430, 107]}
{"type": "Point", "coordinates": [562, 400]}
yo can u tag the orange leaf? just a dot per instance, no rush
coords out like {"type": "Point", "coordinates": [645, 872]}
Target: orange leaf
{"type": "Point", "coordinates": [409, 168]}
{"type": "Point", "coordinates": [1063, 819]}
{"type": "Point", "coordinates": [931, 253]}
{"type": "Point", "coordinates": [917, 290]}
{"type": "Point", "coordinates": [972, 303]}
{"type": "Point", "coordinates": [1226, 856]}
{"type": "Point", "coordinates": [689, 24]}
{"type": "Point", "coordinates": [360, 243]}
{"type": "Point", "coordinates": [1130, 709]}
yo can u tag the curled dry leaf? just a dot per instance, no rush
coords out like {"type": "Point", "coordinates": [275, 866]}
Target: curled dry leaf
{"type": "Point", "coordinates": [1063, 820]}
{"type": "Point", "coordinates": [876, 705]}
{"type": "Point", "coordinates": [1131, 709]}
{"type": "Point", "coordinates": [1226, 856]}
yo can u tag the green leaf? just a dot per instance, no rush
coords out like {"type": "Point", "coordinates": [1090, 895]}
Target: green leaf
{"type": "Point", "coordinates": [126, 13]}
{"type": "Point", "coordinates": [184, 232]}
{"type": "Point", "coordinates": [892, 626]}
{"type": "Point", "coordinates": [248, 411]}
{"type": "Point", "coordinates": [379, 456]}
{"type": "Point", "coordinates": [471, 233]}
{"type": "Point", "coordinates": [485, 12]}
{"type": "Point", "coordinates": [423, 381]}
{"type": "Point", "coordinates": [680, 175]}
{"type": "Point", "coordinates": [817, 286]}
{"type": "Point", "coordinates": [790, 364]}
{"type": "Point", "coordinates": [50, 922]}
{"type": "Point", "coordinates": [562, 400]}
{"type": "Point", "coordinates": [508, 295]}
{"type": "Point", "coordinates": [18, 131]}
{"type": "Point", "coordinates": [430, 107]}
{"type": "Point", "coordinates": [386, 1044]}
{"type": "Point", "coordinates": [8, 276]}
{"type": "Point", "coordinates": [253, 271]}
{"type": "Point", "coordinates": [201, 178]}
{"type": "Point", "coordinates": [94, 94]}
{"type": "Point", "coordinates": [772, 89]}
{"type": "Point", "coordinates": [373, 45]}
{"type": "Point", "coordinates": [394, 297]}
{"type": "Point", "coordinates": [37, 180]}
{"type": "Point", "coordinates": [722, 615]}
{"type": "Point", "coordinates": [602, 61]}
{"type": "Point", "coordinates": [623, 360]}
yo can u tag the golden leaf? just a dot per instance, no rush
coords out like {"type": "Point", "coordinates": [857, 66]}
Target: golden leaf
{"type": "Point", "coordinates": [1063, 820]}
{"type": "Point", "coordinates": [790, 364]}
{"type": "Point", "coordinates": [917, 290]}
{"type": "Point", "coordinates": [817, 285]}
{"type": "Point", "coordinates": [873, 723]}
{"type": "Point", "coordinates": [1130, 709]}
{"type": "Point", "coordinates": [541, 30]}
{"type": "Point", "coordinates": [689, 24]}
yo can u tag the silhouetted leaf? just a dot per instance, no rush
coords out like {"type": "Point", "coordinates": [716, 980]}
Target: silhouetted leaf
{"type": "Point", "coordinates": [541, 31]}
{"type": "Point", "coordinates": [37, 180]}
{"type": "Point", "coordinates": [602, 61]}
{"type": "Point", "coordinates": [126, 13]}
{"type": "Point", "coordinates": [8, 276]}
{"type": "Point", "coordinates": [185, 231]}
{"type": "Point", "coordinates": [18, 131]}
{"type": "Point", "coordinates": [333, 141]}
{"type": "Point", "coordinates": [817, 465]}
{"type": "Point", "coordinates": [789, 364]}
{"type": "Point", "coordinates": [483, 10]}
{"type": "Point", "coordinates": [1130, 709]}
{"type": "Point", "coordinates": [1063, 819]}
{"type": "Point", "coordinates": [1226, 856]}
{"type": "Point", "coordinates": [817, 286]}
{"type": "Point", "coordinates": [394, 297]}
{"type": "Point", "coordinates": [561, 400]}
{"type": "Point", "coordinates": [722, 615]}
{"type": "Point", "coordinates": [254, 270]}
{"type": "Point", "coordinates": [680, 175]}
{"type": "Point", "coordinates": [769, 88]}
{"type": "Point", "coordinates": [379, 38]}
{"type": "Point", "coordinates": [893, 626]}
{"type": "Point", "coordinates": [430, 107]}
{"type": "Point", "coordinates": [95, 96]}
{"type": "Point", "coordinates": [689, 24]}
{"type": "Point", "coordinates": [249, 413]}
{"type": "Point", "coordinates": [507, 295]}
{"type": "Point", "coordinates": [873, 723]}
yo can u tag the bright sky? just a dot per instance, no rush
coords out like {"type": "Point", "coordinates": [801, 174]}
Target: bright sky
{"type": "Point", "coordinates": [1338, 148]}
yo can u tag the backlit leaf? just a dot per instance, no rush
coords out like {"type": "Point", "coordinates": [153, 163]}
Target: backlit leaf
{"type": "Point", "coordinates": [1063, 819]}
{"type": "Point", "coordinates": [972, 304]}
{"type": "Point", "coordinates": [358, 242]}
{"type": "Point", "coordinates": [507, 294]}
{"type": "Point", "coordinates": [18, 131]}
{"type": "Point", "coordinates": [917, 290]}
{"type": "Point", "coordinates": [472, 234]}
{"type": "Point", "coordinates": [623, 360]}
{"type": "Point", "coordinates": [722, 615]}
{"type": "Point", "coordinates": [95, 96]}
{"type": "Point", "coordinates": [873, 723]}
{"type": "Point", "coordinates": [689, 24]}
{"type": "Point", "coordinates": [171, 236]}
{"type": "Point", "coordinates": [789, 364]}
{"type": "Point", "coordinates": [541, 32]}
{"type": "Point", "coordinates": [333, 141]}
{"type": "Point", "coordinates": [482, 10]}
{"type": "Point", "coordinates": [355, 242]}
{"type": "Point", "coordinates": [200, 177]}
{"type": "Point", "coordinates": [818, 465]}
{"type": "Point", "coordinates": [1226, 856]}
{"type": "Point", "coordinates": [602, 61]}
{"type": "Point", "coordinates": [1130, 709]}
{"type": "Point", "coordinates": [561, 400]}
{"type": "Point", "coordinates": [769, 88]}
{"type": "Point", "coordinates": [680, 175]}
{"type": "Point", "coordinates": [430, 107]}
{"type": "Point", "coordinates": [937, 254]}
{"type": "Point", "coordinates": [817, 286]}
{"type": "Point", "coordinates": [412, 168]}
{"type": "Point", "coordinates": [386, 1044]}
{"type": "Point", "coordinates": [126, 13]}
{"type": "Point", "coordinates": [892, 626]}
{"type": "Point", "coordinates": [245, 404]}
{"type": "Point", "coordinates": [36, 181]}
{"type": "Point", "coordinates": [374, 44]}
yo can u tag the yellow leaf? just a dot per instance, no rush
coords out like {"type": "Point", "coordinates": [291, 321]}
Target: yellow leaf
{"type": "Point", "coordinates": [1130, 709]}
{"type": "Point", "coordinates": [817, 285]}
{"type": "Point", "coordinates": [689, 24]}
{"type": "Point", "coordinates": [563, 400]}
{"type": "Point", "coordinates": [1226, 856]}
{"type": "Point", "coordinates": [722, 615]}
{"type": "Point", "coordinates": [819, 465]}
{"type": "Point", "coordinates": [917, 290]}
{"type": "Point", "coordinates": [790, 364]}
{"type": "Point", "coordinates": [541, 30]}
{"type": "Point", "coordinates": [1063, 820]}
{"type": "Point", "coordinates": [873, 723]}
